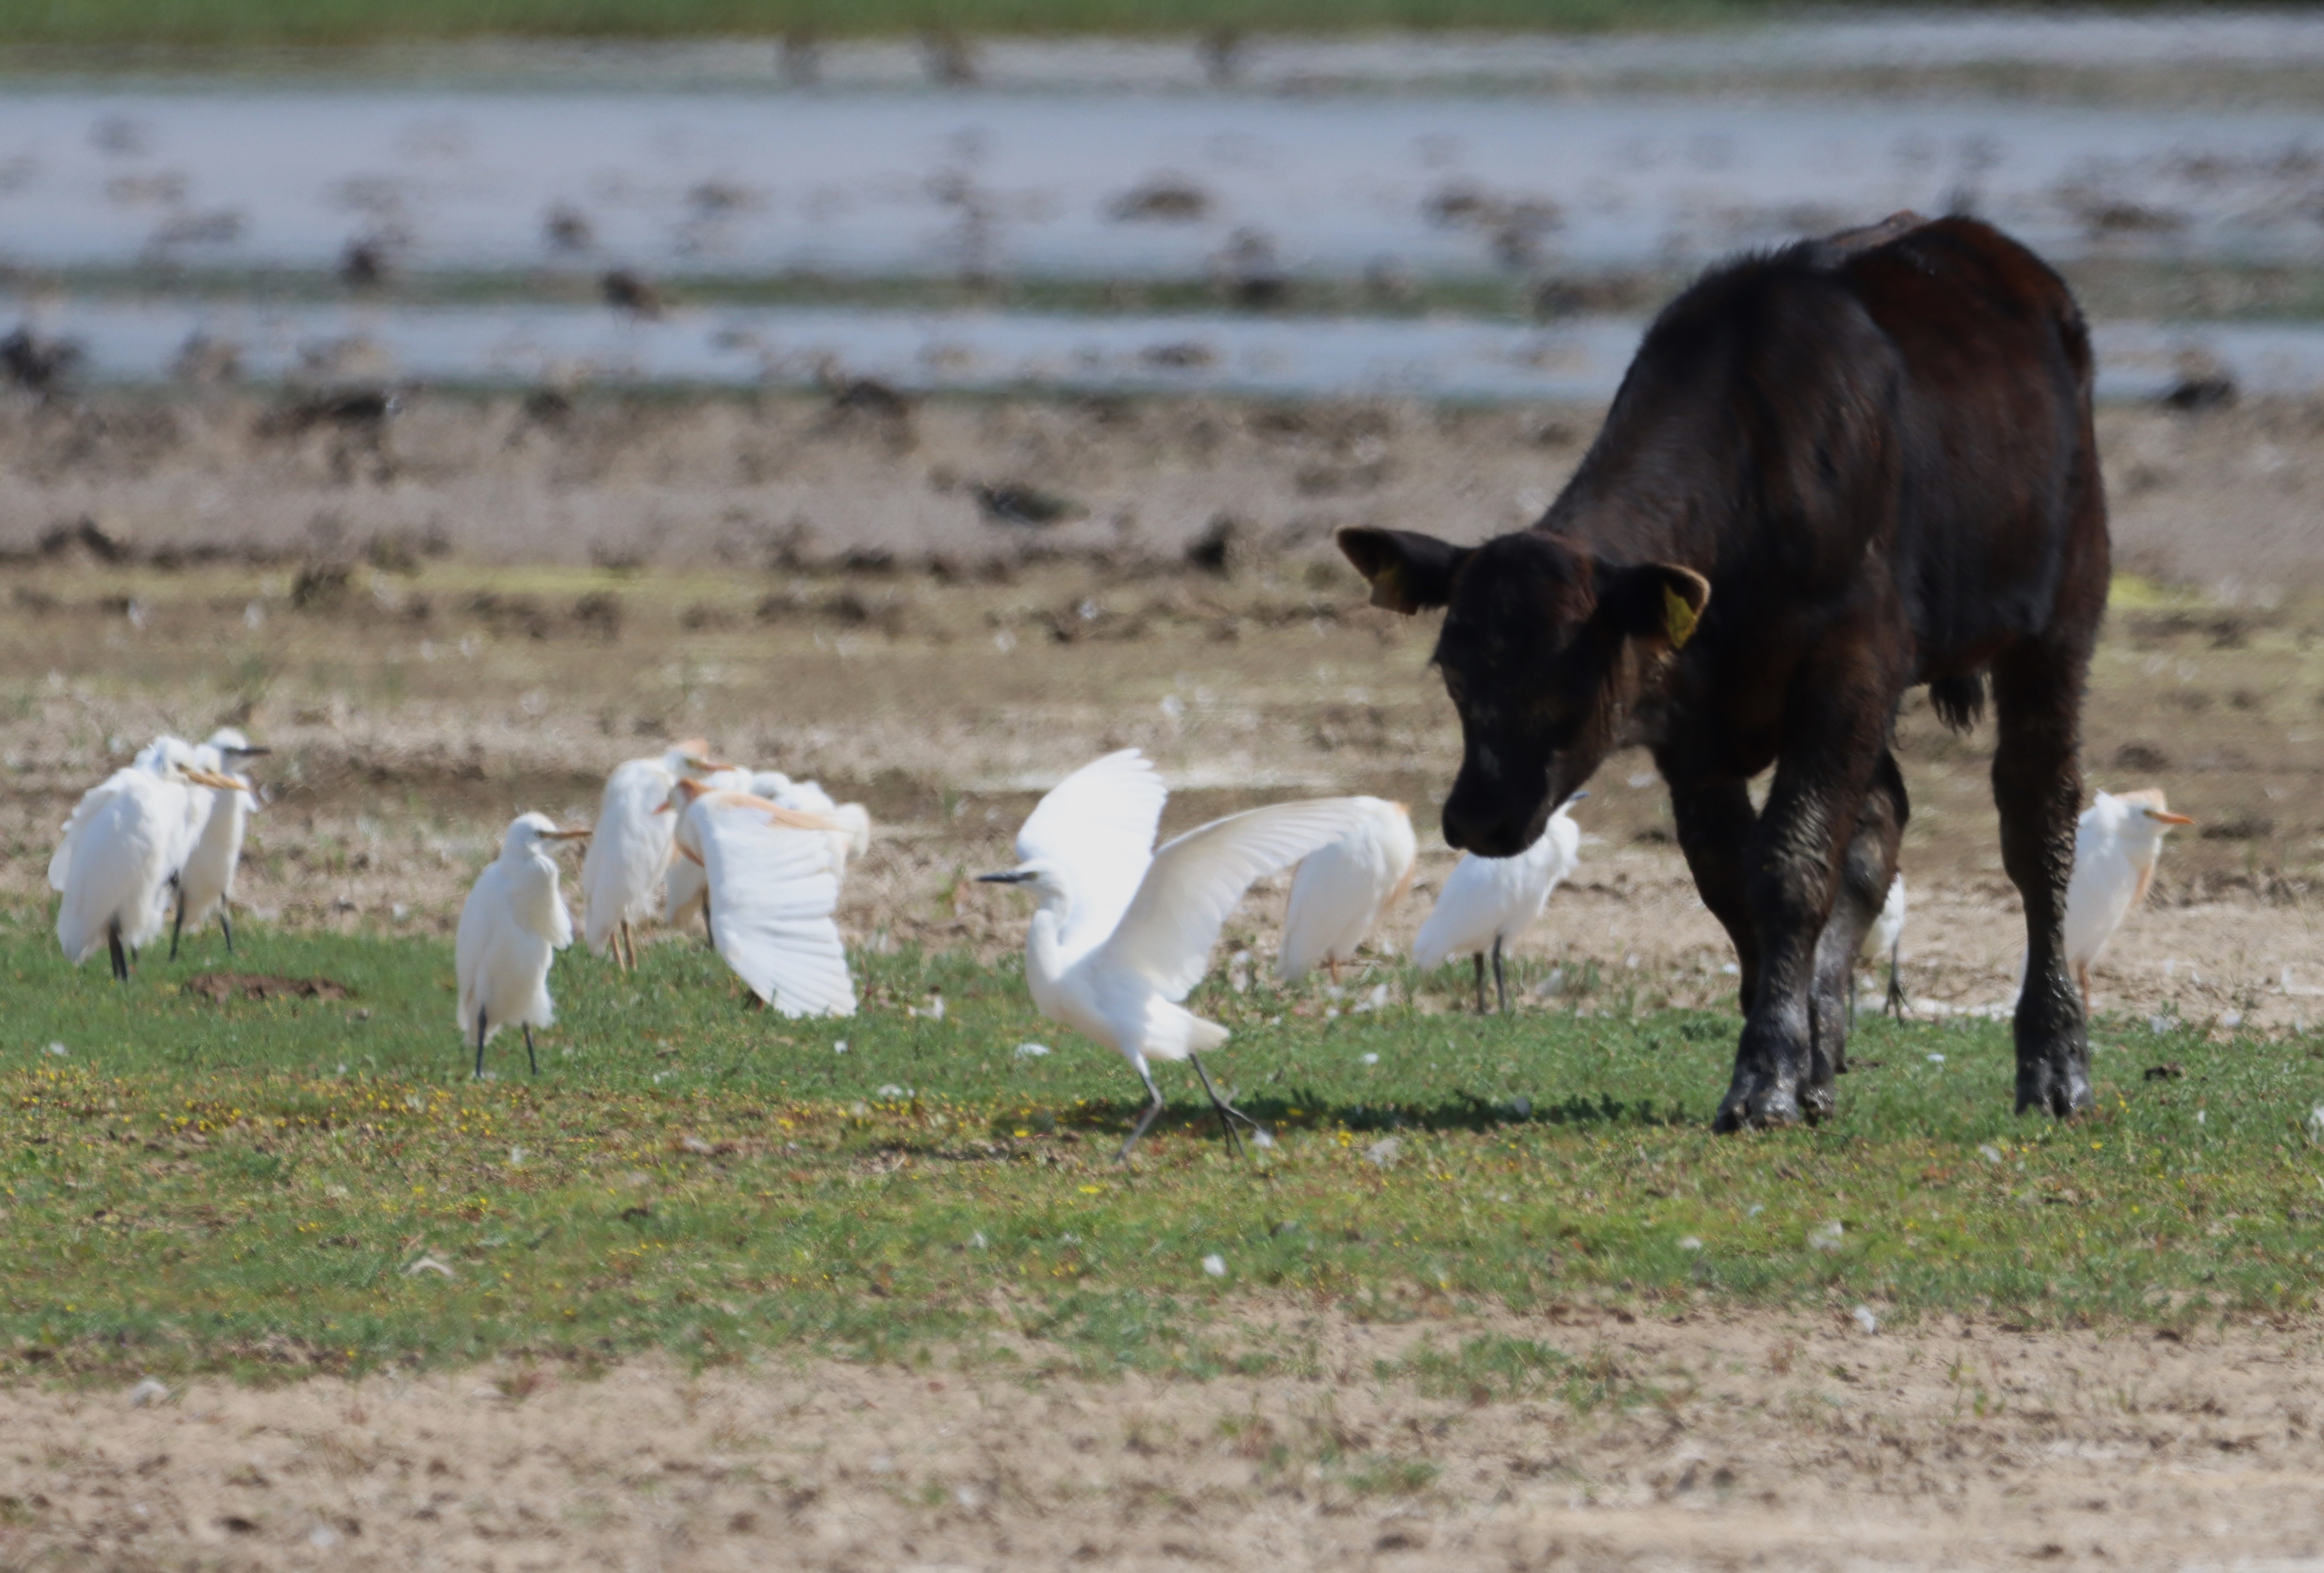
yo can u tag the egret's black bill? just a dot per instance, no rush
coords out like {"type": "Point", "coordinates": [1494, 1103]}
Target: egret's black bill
{"type": "Point", "coordinates": [1013, 876]}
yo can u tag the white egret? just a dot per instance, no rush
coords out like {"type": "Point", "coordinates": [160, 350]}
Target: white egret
{"type": "Point", "coordinates": [511, 929]}
{"type": "Point", "coordinates": [2117, 843]}
{"type": "Point", "coordinates": [1886, 937]}
{"type": "Point", "coordinates": [206, 882]}
{"type": "Point", "coordinates": [685, 887]}
{"type": "Point", "coordinates": [771, 894]}
{"type": "Point", "coordinates": [851, 836]}
{"type": "Point", "coordinates": [121, 847]}
{"type": "Point", "coordinates": [1343, 891]}
{"type": "Point", "coordinates": [1487, 902]}
{"type": "Point", "coordinates": [629, 851]}
{"type": "Point", "coordinates": [1125, 930]}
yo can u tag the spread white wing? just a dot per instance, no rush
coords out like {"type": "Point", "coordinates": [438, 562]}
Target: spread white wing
{"type": "Point", "coordinates": [1097, 825]}
{"type": "Point", "coordinates": [771, 896]}
{"type": "Point", "coordinates": [1195, 880]}
{"type": "Point", "coordinates": [1341, 893]}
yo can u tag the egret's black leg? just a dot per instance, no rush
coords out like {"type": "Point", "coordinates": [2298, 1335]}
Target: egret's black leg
{"type": "Point", "coordinates": [1500, 978]}
{"type": "Point", "coordinates": [120, 959]}
{"type": "Point", "coordinates": [1479, 959]}
{"type": "Point", "coordinates": [528, 1057]}
{"type": "Point", "coordinates": [226, 922]}
{"type": "Point", "coordinates": [709, 933]}
{"type": "Point", "coordinates": [178, 923]}
{"type": "Point", "coordinates": [1145, 1119]}
{"type": "Point", "coordinates": [480, 1041]}
{"type": "Point", "coordinates": [1896, 985]}
{"type": "Point", "coordinates": [1228, 1112]}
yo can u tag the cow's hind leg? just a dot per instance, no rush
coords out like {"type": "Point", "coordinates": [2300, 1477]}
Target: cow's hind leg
{"type": "Point", "coordinates": [2037, 786]}
{"type": "Point", "coordinates": [1864, 871]}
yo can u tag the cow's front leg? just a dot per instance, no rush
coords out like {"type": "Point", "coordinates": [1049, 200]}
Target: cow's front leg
{"type": "Point", "coordinates": [1832, 748]}
{"type": "Point", "coordinates": [1864, 872]}
{"type": "Point", "coordinates": [1715, 825]}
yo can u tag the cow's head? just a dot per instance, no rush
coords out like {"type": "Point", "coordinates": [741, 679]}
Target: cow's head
{"type": "Point", "coordinates": [1543, 649]}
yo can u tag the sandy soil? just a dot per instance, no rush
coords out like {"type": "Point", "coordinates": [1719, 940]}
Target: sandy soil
{"type": "Point", "coordinates": [1742, 1439]}
{"type": "Point", "coordinates": [407, 616]}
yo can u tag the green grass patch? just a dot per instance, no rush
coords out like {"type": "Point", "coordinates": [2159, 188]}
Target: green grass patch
{"type": "Point", "coordinates": [291, 1184]}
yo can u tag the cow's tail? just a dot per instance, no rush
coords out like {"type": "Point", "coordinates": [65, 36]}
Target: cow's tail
{"type": "Point", "coordinates": [1959, 702]}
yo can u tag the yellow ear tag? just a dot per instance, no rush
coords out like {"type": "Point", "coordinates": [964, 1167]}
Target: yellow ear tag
{"type": "Point", "coordinates": [1678, 618]}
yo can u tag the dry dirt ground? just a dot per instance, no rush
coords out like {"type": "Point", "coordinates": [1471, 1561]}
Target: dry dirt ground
{"type": "Point", "coordinates": [1723, 1442]}
{"type": "Point", "coordinates": [475, 606]}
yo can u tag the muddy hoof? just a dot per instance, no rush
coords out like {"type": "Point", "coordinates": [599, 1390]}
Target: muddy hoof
{"type": "Point", "coordinates": [2059, 1091]}
{"type": "Point", "coordinates": [1762, 1108]}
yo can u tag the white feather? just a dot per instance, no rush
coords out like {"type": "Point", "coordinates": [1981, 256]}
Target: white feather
{"type": "Point", "coordinates": [206, 883]}
{"type": "Point", "coordinates": [1342, 892]}
{"type": "Point", "coordinates": [2117, 842]}
{"type": "Point", "coordinates": [1888, 927]}
{"type": "Point", "coordinates": [1489, 901]}
{"type": "Point", "coordinates": [772, 894]}
{"type": "Point", "coordinates": [1098, 822]}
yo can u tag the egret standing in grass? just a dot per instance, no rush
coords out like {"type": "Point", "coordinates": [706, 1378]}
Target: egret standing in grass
{"type": "Point", "coordinates": [2117, 844]}
{"type": "Point", "coordinates": [771, 892]}
{"type": "Point", "coordinates": [512, 926]}
{"type": "Point", "coordinates": [1343, 891]}
{"type": "Point", "coordinates": [630, 850]}
{"type": "Point", "coordinates": [124, 843]}
{"type": "Point", "coordinates": [1886, 937]}
{"type": "Point", "coordinates": [1487, 902]}
{"type": "Point", "coordinates": [1125, 930]}
{"type": "Point", "coordinates": [206, 882]}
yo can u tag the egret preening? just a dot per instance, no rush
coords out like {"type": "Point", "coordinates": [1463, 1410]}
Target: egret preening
{"type": "Point", "coordinates": [1488, 901]}
{"type": "Point", "coordinates": [512, 926]}
{"type": "Point", "coordinates": [2117, 843]}
{"type": "Point", "coordinates": [629, 851]}
{"type": "Point", "coordinates": [771, 892]}
{"type": "Point", "coordinates": [206, 882]}
{"type": "Point", "coordinates": [1343, 891]}
{"type": "Point", "coordinates": [1125, 930]}
{"type": "Point", "coordinates": [1886, 937]}
{"type": "Point", "coordinates": [126, 840]}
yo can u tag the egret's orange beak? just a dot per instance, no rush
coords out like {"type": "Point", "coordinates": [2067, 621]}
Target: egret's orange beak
{"type": "Point", "coordinates": [2160, 817]}
{"type": "Point", "coordinates": [691, 856]}
{"type": "Point", "coordinates": [704, 762]}
{"type": "Point", "coordinates": [566, 835]}
{"type": "Point", "coordinates": [200, 778]}
{"type": "Point", "coordinates": [689, 790]}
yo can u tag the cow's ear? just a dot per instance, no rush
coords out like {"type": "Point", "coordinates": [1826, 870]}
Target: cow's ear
{"type": "Point", "coordinates": [1408, 571]}
{"type": "Point", "coordinates": [1655, 600]}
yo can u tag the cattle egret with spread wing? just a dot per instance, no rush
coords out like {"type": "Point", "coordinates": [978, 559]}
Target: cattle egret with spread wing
{"type": "Point", "coordinates": [629, 851]}
{"type": "Point", "coordinates": [126, 840]}
{"type": "Point", "coordinates": [851, 834]}
{"type": "Point", "coordinates": [2116, 845]}
{"type": "Point", "coordinates": [511, 929]}
{"type": "Point", "coordinates": [1886, 937]}
{"type": "Point", "coordinates": [1125, 930]}
{"type": "Point", "coordinates": [1488, 901]}
{"type": "Point", "coordinates": [206, 882]}
{"type": "Point", "coordinates": [685, 887]}
{"type": "Point", "coordinates": [770, 895]}
{"type": "Point", "coordinates": [1342, 892]}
